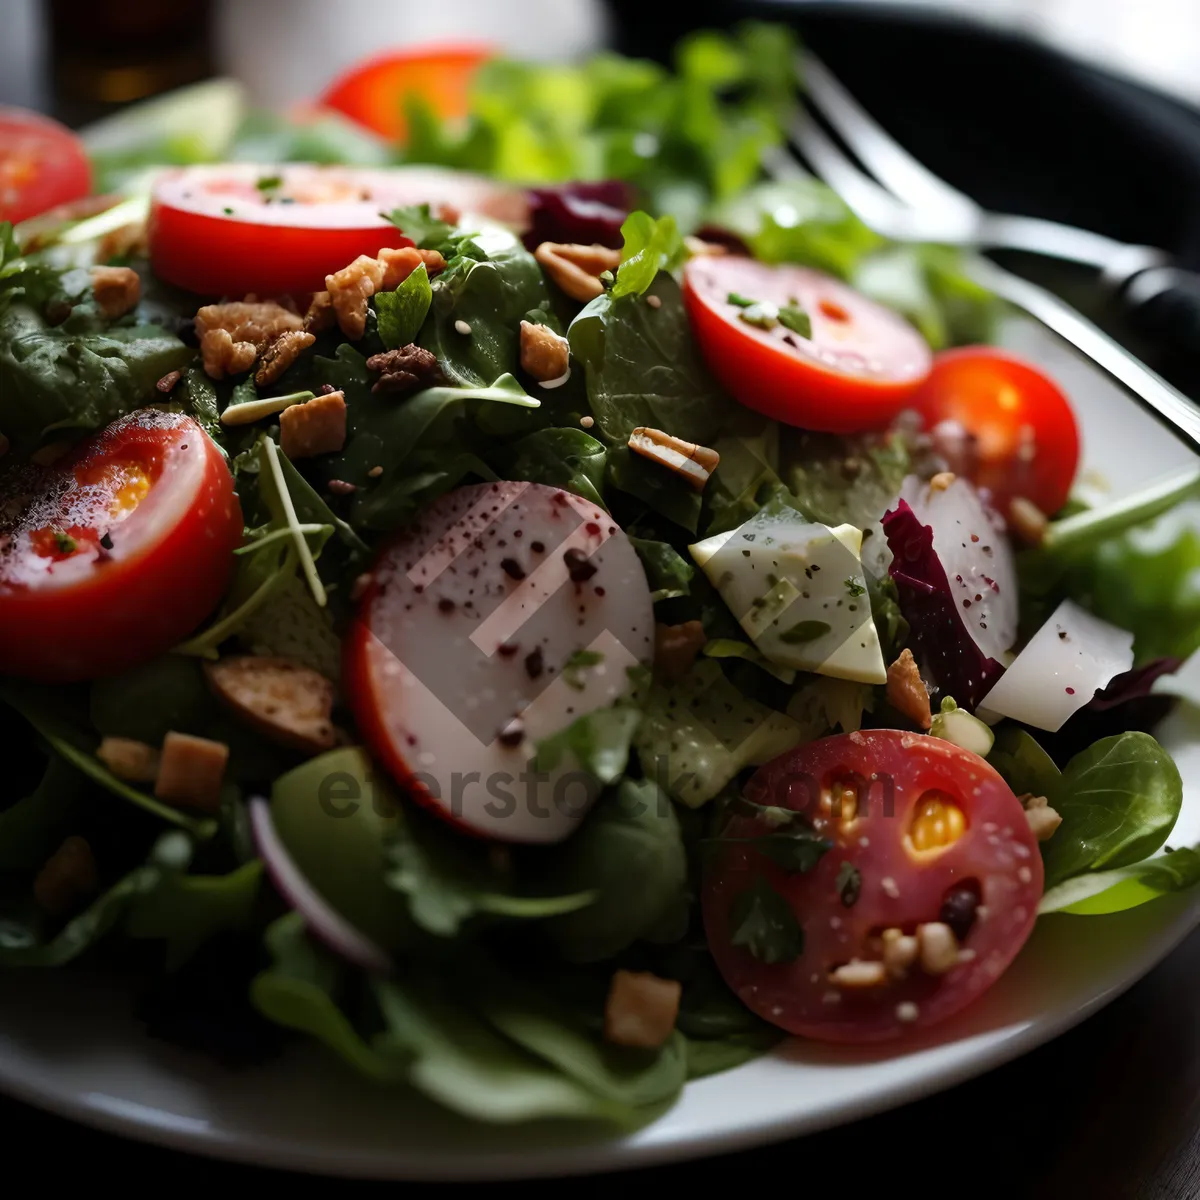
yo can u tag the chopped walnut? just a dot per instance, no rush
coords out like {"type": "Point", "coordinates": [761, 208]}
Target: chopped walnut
{"type": "Point", "coordinates": [130, 241]}
{"type": "Point", "coordinates": [403, 370]}
{"type": "Point", "coordinates": [130, 760]}
{"type": "Point", "coordinates": [117, 290]}
{"type": "Point", "coordinates": [223, 356]}
{"type": "Point", "coordinates": [941, 481]}
{"type": "Point", "coordinates": [675, 649]}
{"type": "Point", "coordinates": [1027, 522]}
{"type": "Point", "coordinates": [641, 1009]}
{"type": "Point", "coordinates": [693, 463]}
{"type": "Point", "coordinates": [400, 263]}
{"type": "Point", "coordinates": [906, 691]}
{"type": "Point", "coordinates": [68, 879]}
{"type": "Point", "coordinates": [320, 315]}
{"type": "Point", "coordinates": [317, 427]}
{"type": "Point", "coordinates": [576, 269]}
{"type": "Point", "coordinates": [191, 771]}
{"type": "Point", "coordinates": [280, 355]}
{"type": "Point", "coordinates": [544, 353]}
{"type": "Point", "coordinates": [1043, 820]}
{"type": "Point", "coordinates": [282, 699]}
{"type": "Point", "coordinates": [351, 289]}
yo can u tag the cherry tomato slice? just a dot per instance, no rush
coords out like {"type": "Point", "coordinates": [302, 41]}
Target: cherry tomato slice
{"type": "Point", "coordinates": [855, 372]}
{"type": "Point", "coordinates": [236, 228]}
{"type": "Point", "coordinates": [373, 91]}
{"type": "Point", "coordinates": [42, 163]}
{"type": "Point", "coordinates": [923, 834]}
{"type": "Point", "coordinates": [1003, 424]}
{"type": "Point", "coordinates": [115, 553]}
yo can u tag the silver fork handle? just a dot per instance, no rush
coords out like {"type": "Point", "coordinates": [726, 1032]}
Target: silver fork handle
{"type": "Point", "coordinates": [1155, 393]}
{"type": "Point", "coordinates": [1119, 261]}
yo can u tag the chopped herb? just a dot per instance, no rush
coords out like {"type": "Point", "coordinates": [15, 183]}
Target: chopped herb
{"type": "Point", "coordinates": [740, 301]}
{"type": "Point", "coordinates": [854, 587]}
{"type": "Point", "coordinates": [796, 847]}
{"type": "Point", "coordinates": [578, 662]}
{"type": "Point", "coordinates": [804, 631]}
{"type": "Point", "coordinates": [268, 183]}
{"type": "Point", "coordinates": [760, 315]}
{"type": "Point", "coordinates": [227, 211]}
{"type": "Point", "coordinates": [763, 922]}
{"type": "Point", "coordinates": [419, 223]}
{"type": "Point", "coordinates": [64, 543]}
{"type": "Point", "coordinates": [795, 319]}
{"type": "Point", "coordinates": [849, 884]}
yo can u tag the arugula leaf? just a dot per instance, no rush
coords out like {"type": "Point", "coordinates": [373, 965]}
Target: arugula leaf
{"type": "Point", "coordinates": [1101, 892]}
{"type": "Point", "coordinates": [419, 223]}
{"type": "Point", "coordinates": [762, 921]}
{"type": "Point", "coordinates": [668, 573]}
{"type": "Point", "coordinates": [401, 313]}
{"type": "Point", "coordinates": [650, 246]}
{"type": "Point", "coordinates": [1119, 800]}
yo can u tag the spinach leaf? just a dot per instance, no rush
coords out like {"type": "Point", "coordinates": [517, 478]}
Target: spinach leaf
{"type": "Point", "coordinates": [146, 701]}
{"type": "Point", "coordinates": [401, 313]}
{"type": "Point", "coordinates": [629, 851]}
{"type": "Point", "coordinates": [644, 369]}
{"type": "Point", "coordinates": [662, 491]}
{"type": "Point", "coordinates": [650, 246]}
{"type": "Point", "coordinates": [1102, 892]}
{"type": "Point", "coordinates": [668, 573]}
{"type": "Point", "coordinates": [564, 458]}
{"type": "Point", "coordinates": [1025, 766]}
{"type": "Point", "coordinates": [762, 921]}
{"type": "Point", "coordinates": [712, 1056]}
{"type": "Point", "coordinates": [838, 480]}
{"type": "Point", "coordinates": [34, 826]}
{"type": "Point", "coordinates": [598, 741]}
{"type": "Point", "coordinates": [1119, 800]}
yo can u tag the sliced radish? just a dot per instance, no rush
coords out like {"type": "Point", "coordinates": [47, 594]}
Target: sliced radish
{"type": "Point", "coordinates": [1065, 664]}
{"type": "Point", "coordinates": [504, 614]}
{"type": "Point", "coordinates": [323, 922]}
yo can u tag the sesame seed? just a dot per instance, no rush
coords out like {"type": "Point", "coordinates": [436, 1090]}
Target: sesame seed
{"type": "Point", "coordinates": [375, 472]}
{"type": "Point", "coordinates": [587, 422]}
{"type": "Point", "coordinates": [1025, 875]}
{"type": "Point", "coordinates": [654, 301]}
{"type": "Point", "coordinates": [889, 888]}
{"type": "Point", "coordinates": [907, 1011]}
{"type": "Point", "coordinates": [462, 327]}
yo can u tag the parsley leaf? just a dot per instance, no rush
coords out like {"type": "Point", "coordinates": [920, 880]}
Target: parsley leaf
{"type": "Point", "coordinates": [796, 319]}
{"type": "Point", "coordinates": [402, 313]}
{"type": "Point", "coordinates": [762, 921]}
{"type": "Point", "coordinates": [849, 884]}
{"type": "Point", "coordinates": [419, 223]}
{"type": "Point", "coordinates": [268, 183]}
{"type": "Point", "coordinates": [740, 301]}
{"type": "Point", "coordinates": [64, 543]}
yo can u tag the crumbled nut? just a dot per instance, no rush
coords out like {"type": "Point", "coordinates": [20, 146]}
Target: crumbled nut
{"type": "Point", "coordinates": [167, 383]}
{"type": "Point", "coordinates": [694, 463]}
{"type": "Point", "coordinates": [576, 269]}
{"type": "Point", "coordinates": [938, 947]}
{"type": "Point", "coordinates": [1043, 820]}
{"type": "Point", "coordinates": [117, 290]}
{"type": "Point", "coordinates": [403, 370]}
{"type": "Point", "coordinates": [400, 263]}
{"type": "Point", "coordinates": [641, 1009]}
{"type": "Point", "coordinates": [1027, 522]}
{"type": "Point", "coordinates": [899, 952]}
{"type": "Point", "coordinates": [316, 427]}
{"type": "Point", "coordinates": [544, 353]}
{"type": "Point", "coordinates": [280, 355]}
{"type": "Point", "coordinates": [130, 241]}
{"type": "Point", "coordinates": [699, 248]}
{"type": "Point", "coordinates": [350, 291]}
{"type": "Point", "coordinates": [320, 315]}
{"type": "Point", "coordinates": [941, 481]}
{"type": "Point", "coordinates": [906, 691]}
{"type": "Point", "coordinates": [223, 356]}
{"type": "Point", "coordinates": [283, 700]}
{"type": "Point", "coordinates": [133, 761]}
{"type": "Point", "coordinates": [675, 649]}
{"type": "Point", "coordinates": [191, 771]}
{"type": "Point", "coordinates": [256, 321]}
{"type": "Point", "coordinates": [858, 974]}
{"type": "Point", "coordinates": [69, 877]}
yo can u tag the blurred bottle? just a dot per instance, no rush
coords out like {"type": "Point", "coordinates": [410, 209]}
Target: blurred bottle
{"type": "Point", "coordinates": [106, 53]}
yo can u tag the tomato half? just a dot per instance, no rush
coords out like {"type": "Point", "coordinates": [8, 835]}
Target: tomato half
{"type": "Point", "coordinates": [921, 834]}
{"type": "Point", "coordinates": [372, 92]}
{"type": "Point", "coordinates": [236, 228]}
{"type": "Point", "coordinates": [115, 553]}
{"type": "Point", "coordinates": [1003, 424]}
{"type": "Point", "coordinates": [42, 163]}
{"type": "Point", "coordinates": [855, 372]}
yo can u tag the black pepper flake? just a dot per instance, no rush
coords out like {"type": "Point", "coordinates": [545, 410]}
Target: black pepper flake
{"type": "Point", "coordinates": [512, 568]}
{"type": "Point", "coordinates": [579, 567]}
{"type": "Point", "coordinates": [107, 542]}
{"type": "Point", "coordinates": [534, 663]}
{"type": "Point", "coordinates": [537, 547]}
{"type": "Point", "coordinates": [446, 605]}
{"type": "Point", "coordinates": [506, 649]}
{"type": "Point", "coordinates": [600, 591]}
{"type": "Point", "coordinates": [513, 734]}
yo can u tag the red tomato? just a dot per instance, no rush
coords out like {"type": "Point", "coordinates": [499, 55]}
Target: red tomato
{"type": "Point", "coordinates": [372, 92]}
{"type": "Point", "coordinates": [42, 163]}
{"type": "Point", "coordinates": [220, 230]}
{"type": "Point", "coordinates": [115, 553]}
{"type": "Point", "coordinates": [1004, 425]}
{"type": "Point", "coordinates": [855, 372]}
{"type": "Point", "coordinates": [938, 838]}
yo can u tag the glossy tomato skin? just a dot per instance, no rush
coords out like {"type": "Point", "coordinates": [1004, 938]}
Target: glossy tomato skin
{"type": "Point", "coordinates": [372, 92]}
{"type": "Point", "coordinates": [1023, 439]}
{"type": "Point", "coordinates": [996, 857]}
{"type": "Point", "coordinates": [856, 372]}
{"type": "Point", "coordinates": [118, 552]}
{"type": "Point", "coordinates": [42, 164]}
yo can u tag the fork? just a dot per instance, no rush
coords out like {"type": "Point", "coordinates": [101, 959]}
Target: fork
{"type": "Point", "coordinates": [903, 200]}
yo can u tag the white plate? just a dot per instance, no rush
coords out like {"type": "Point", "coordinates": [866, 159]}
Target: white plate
{"type": "Point", "coordinates": [69, 1044]}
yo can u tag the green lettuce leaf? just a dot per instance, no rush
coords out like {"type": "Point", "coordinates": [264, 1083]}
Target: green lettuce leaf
{"type": "Point", "coordinates": [1103, 892]}
{"type": "Point", "coordinates": [650, 246]}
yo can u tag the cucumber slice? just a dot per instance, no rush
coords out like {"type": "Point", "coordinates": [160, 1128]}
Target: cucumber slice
{"type": "Point", "coordinates": [956, 725]}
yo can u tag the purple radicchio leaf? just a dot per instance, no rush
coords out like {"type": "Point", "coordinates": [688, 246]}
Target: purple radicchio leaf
{"type": "Point", "coordinates": [944, 649]}
{"type": "Point", "coordinates": [589, 213]}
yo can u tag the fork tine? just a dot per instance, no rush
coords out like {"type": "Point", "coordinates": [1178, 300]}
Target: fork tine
{"type": "Point", "coordinates": [878, 151]}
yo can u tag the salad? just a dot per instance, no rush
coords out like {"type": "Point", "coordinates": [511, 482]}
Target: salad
{"type": "Point", "coordinates": [492, 583]}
